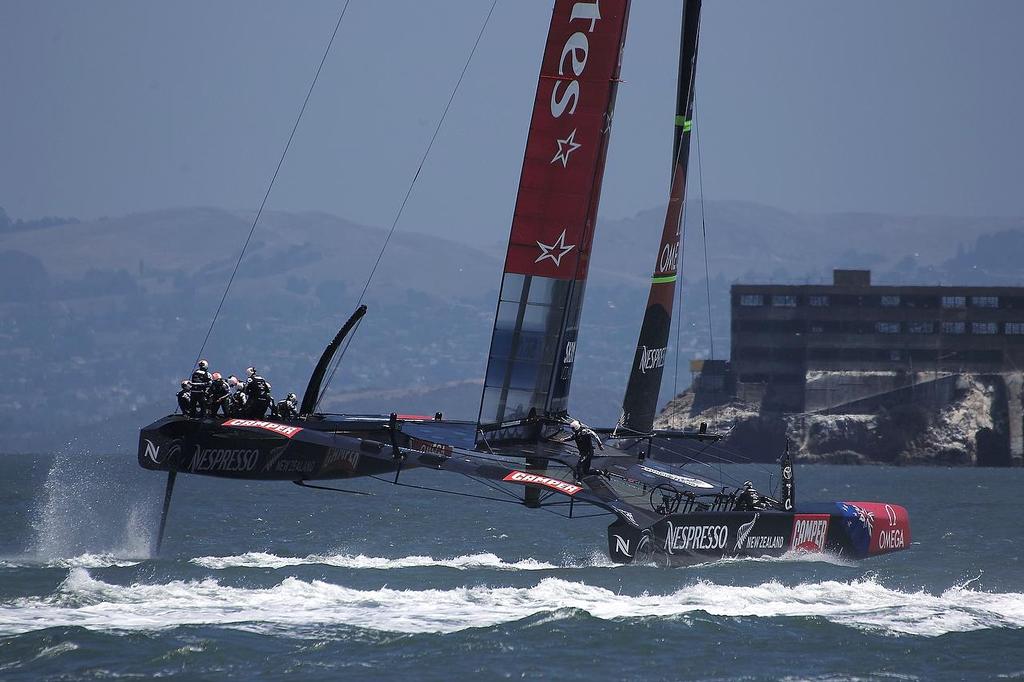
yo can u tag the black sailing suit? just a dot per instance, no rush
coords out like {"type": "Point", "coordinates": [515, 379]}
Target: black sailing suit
{"type": "Point", "coordinates": [286, 410]}
{"type": "Point", "coordinates": [258, 401]}
{"type": "Point", "coordinates": [219, 396]}
{"type": "Point", "coordinates": [200, 386]}
{"type": "Point", "coordinates": [583, 437]}
{"type": "Point", "coordinates": [185, 400]}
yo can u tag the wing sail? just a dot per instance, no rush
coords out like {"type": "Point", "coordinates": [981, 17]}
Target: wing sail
{"type": "Point", "coordinates": [641, 401]}
{"type": "Point", "coordinates": [533, 344]}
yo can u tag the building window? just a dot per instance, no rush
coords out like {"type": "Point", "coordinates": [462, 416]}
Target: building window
{"type": "Point", "coordinates": [784, 301]}
{"type": "Point", "coordinates": [818, 329]}
{"type": "Point", "coordinates": [751, 299]}
{"type": "Point", "coordinates": [887, 327]}
{"type": "Point", "coordinates": [953, 327]}
{"type": "Point", "coordinates": [818, 301]}
{"type": "Point", "coordinates": [954, 302]}
{"type": "Point", "coordinates": [1014, 328]}
{"type": "Point", "coordinates": [985, 301]}
{"type": "Point", "coordinates": [921, 327]}
{"type": "Point", "coordinates": [890, 301]}
{"type": "Point", "coordinates": [984, 328]}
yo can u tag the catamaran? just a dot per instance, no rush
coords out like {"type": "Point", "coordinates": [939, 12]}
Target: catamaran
{"type": "Point", "coordinates": [525, 443]}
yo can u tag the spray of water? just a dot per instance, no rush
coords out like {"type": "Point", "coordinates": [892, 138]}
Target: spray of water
{"type": "Point", "coordinates": [88, 514]}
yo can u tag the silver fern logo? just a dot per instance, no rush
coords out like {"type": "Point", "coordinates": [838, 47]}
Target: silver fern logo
{"type": "Point", "coordinates": [744, 532]}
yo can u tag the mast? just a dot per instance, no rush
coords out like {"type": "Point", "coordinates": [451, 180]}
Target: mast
{"type": "Point", "coordinates": [641, 401]}
{"type": "Point", "coordinates": [533, 345]}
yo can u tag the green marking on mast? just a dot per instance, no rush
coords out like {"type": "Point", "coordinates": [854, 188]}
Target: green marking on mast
{"type": "Point", "coordinates": [686, 123]}
{"type": "Point", "coordinates": [663, 280]}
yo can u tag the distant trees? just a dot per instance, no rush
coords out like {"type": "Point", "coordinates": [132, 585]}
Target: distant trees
{"type": "Point", "coordinates": [8, 225]}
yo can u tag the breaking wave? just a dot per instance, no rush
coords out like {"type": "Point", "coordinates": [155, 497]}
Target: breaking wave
{"type": "Point", "coordinates": [360, 561]}
{"type": "Point", "coordinates": [296, 606]}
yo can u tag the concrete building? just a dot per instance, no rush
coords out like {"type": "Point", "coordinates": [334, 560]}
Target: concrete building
{"type": "Point", "coordinates": [799, 348]}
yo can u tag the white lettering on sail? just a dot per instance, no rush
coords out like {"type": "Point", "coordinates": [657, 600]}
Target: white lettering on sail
{"type": "Point", "coordinates": [570, 352]}
{"type": "Point", "coordinates": [585, 11]}
{"type": "Point", "coordinates": [577, 50]}
{"type": "Point", "coordinates": [669, 258]}
{"type": "Point", "coordinates": [651, 358]}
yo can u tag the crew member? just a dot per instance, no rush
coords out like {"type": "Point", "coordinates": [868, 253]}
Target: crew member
{"type": "Point", "coordinates": [747, 499]}
{"type": "Point", "coordinates": [219, 392]}
{"type": "Point", "coordinates": [236, 401]}
{"type": "Point", "coordinates": [288, 408]}
{"type": "Point", "coordinates": [201, 379]}
{"type": "Point", "coordinates": [257, 394]}
{"type": "Point", "coordinates": [184, 397]}
{"type": "Point", "coordinates": [584, 438]}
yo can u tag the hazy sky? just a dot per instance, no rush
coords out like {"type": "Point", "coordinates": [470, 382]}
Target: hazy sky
{"type": "Point", "coordinates": [117, 106]}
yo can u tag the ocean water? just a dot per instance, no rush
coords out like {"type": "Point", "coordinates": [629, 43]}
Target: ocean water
{"type": "Point", "coordinates": [271, 581]}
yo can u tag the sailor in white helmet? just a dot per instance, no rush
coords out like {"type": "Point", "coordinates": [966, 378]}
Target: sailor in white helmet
{"type": "Point", "coordinates": [257, 393]}
{"type": "Point", "coordinates": [201, 379]}
{"type": "Point", "coordinates": [584, 437]}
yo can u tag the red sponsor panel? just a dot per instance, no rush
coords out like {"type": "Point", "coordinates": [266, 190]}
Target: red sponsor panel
{"type": "Point", "coordinates": [280, 429]}
{"type": "Point", "coordinates": [557, 202]}
{"type": "Point", "coordinates": [810, 531]}
{"type": "Point", "coordinates": [535, 479]}
{"type": "Point", "coordinates": [890, 526]}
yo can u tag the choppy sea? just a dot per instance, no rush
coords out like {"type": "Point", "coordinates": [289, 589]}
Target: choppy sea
{"type": "Point", "coordinates": [271, 581]}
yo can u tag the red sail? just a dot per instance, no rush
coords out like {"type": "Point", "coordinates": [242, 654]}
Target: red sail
{"type": "Point", "coordinates": [557, 205]}
{"type": "Point", "coordinates": [533, 346]}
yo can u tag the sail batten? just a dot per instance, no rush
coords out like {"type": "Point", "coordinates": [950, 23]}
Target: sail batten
{"type": "Point", "coordinates": [641, 400]}
{"type": "Point", "coordinates": [533, 345]}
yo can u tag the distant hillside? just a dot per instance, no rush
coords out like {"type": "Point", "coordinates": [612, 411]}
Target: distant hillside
{"type": "Point", "coordinates": [99, 320]}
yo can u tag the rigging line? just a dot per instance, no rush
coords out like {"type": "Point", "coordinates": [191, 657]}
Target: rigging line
{"type": "Point", "coordinates": [441, 490]}
{"type": "Point", "coordinates": [679, 326]}
{"type": "Point", "coordinates": [416, 175]}
{"type": "Point", "coordinates": [704, 232]}
{"type": "Point", "coordinates": [273, 179]}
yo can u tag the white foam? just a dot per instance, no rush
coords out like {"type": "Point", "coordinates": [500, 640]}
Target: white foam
{"type": "Point", "coordinates": [792, 557]}
{"type": "Point", "coordinates": [361, 561]}
{"type": "Point", "coordinates": [297, 605]}
{"type": "Point", "coordinates": [86, 560]}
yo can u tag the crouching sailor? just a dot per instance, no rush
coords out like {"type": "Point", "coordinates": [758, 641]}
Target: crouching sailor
{"type": "Point", "coordinates": [201, 379]}
{"type": "Point", "coordinates": [289, 407]}
{"type": "Point", "coordinates": [584, 438]}
{"type": "Point", "coordinates": [185, 397]}
{"type": "Point", "coordinates": [257, 394]}
{"type": "Point", "coordinates": [748, 499]}
{"type": "Point", "coordinates": [236, 401]}
{"type": "Point", "coordinates": [219, 393]}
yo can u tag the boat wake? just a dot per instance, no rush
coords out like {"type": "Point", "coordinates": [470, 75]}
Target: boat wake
{"type": "Point", "coordinates": [87, 560]}
{"type": "Point", "coordinates": [360, 561]}
{"type": "Point", "coordinates": [297, 607]}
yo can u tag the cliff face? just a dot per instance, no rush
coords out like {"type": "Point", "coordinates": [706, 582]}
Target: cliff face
{"type": "Point", "coordinates": [970, 426]}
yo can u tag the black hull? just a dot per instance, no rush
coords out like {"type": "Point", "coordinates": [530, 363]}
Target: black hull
{"type": "Point", "coordinates": [851, 530]}
{"type": "Point", "coordinates": [279, 450]}
{"type": "Point", "coordinates": [351, 447]}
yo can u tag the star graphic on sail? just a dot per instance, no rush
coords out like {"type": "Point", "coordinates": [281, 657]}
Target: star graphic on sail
{"type": "Point", "coordinates": [549, 251]}
{"type": "Point", "coordinates": [565, 148]}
